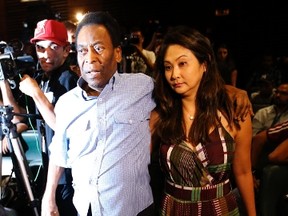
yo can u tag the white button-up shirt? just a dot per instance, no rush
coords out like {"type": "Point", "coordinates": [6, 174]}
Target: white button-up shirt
{"type": "Point", "coordinates": [105, 140]}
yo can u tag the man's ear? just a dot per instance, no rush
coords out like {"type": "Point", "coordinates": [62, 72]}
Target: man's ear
{"type": "Point", "coordinates": [67, 50]}
{"type": "Point", "coordinates": [118, 54]}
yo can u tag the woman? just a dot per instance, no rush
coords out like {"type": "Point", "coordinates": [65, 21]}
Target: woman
{"type": "Point", "coordinates": [201, 146]}
{"type": "Point", "coordinates": [226, 65]}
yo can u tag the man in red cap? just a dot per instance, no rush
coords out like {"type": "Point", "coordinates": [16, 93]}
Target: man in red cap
{"type": "Point", "coordinates": [55, 79]}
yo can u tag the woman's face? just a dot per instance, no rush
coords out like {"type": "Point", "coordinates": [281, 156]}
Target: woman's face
{"type": "Point", "coordinates": [222, 53]}
{"type": "Point", "coordinates": [183, 70]}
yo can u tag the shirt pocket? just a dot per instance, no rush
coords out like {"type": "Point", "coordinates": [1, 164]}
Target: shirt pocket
{"type": "Point", "coordinates": [131, 129]}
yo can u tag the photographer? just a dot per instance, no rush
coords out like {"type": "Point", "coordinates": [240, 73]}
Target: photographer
{"type": "Point", "coordinates": [137, 59]}
{"type": "Point", "coordinates": [54, 79]}
{"type": "Point", "coordinates": [72, 58]}
{"type": "Point", "coordinates": [156, 41]}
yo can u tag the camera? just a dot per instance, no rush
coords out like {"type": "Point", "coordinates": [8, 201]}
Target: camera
{"type": "Point", "coordinates": [128, 45]}
{"type": "Point", "coordinates": [134, 39]}
{"type": "Point", "coordinates": [130, 40]}
{"type": "Point", "coordinates": [6, 115]}
{"type": "Point", "coordinates": [11, 66]}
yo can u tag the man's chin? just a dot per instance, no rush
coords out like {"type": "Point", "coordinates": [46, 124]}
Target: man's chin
{"type": "Point", "coordinates": [47, 68]}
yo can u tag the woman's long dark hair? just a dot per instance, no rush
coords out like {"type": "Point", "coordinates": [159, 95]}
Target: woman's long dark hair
{"type": "Point", "coordinates": [211, 96]}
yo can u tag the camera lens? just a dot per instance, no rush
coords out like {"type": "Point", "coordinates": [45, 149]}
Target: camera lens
{"type": "Point", "coordinates": [134, 40]}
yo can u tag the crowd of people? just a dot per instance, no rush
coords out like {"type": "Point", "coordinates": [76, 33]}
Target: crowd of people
{"type": "Point", "coordinates": [146, 131]}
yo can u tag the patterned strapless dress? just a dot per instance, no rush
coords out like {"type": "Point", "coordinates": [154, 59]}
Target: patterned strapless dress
{"type": "Point", "coordinates": [198, 180]}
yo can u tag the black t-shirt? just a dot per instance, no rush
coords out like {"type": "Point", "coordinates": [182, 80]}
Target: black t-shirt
{"type": "Point", "coordinates": [60, 82]}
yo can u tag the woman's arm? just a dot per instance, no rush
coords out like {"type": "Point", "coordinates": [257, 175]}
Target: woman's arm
{"type": "Point", "coordinates": [258, 142]}
{"type": "Point", "coordinates": [234, 74]}
{"type": "Point", "coordinates": [280, 153]}
{"type": "Point", "coordinates": [242, 165]}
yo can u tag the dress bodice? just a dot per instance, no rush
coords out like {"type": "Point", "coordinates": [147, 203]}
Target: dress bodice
{"type": "Point", "coordinates": [207, 164]}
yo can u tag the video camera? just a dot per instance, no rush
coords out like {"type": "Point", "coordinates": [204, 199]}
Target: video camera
{"type": "Point", "coordinates": [11, 65]}
{"type": "Point", "coordinates": [130, 40]}
{"type": "Point", "coordinates": [134, 39]}
{"type": "Point", "coordinates": [128, 45]}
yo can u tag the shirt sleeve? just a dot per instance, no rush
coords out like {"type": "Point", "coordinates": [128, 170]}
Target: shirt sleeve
{"type": "Point", "coordinates": [278, 133]}
{"type": "Point", "coordinates": [257, 124]}
{"type": "Point", "coordinates": [59, 145]}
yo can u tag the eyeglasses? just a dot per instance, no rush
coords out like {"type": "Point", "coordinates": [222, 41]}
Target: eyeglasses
{"type": "Point", "coordinates": [281, 92]}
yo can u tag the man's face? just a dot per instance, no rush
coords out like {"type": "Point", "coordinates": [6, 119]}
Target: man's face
{"type": "Point", "coordinates": [222, 53]}
{"type": "Point", "coordinates": [281, 95]}
{"type": "Point", "coordinates": [71, 36]}
{"type": "Point", "coordinates": [97, 58]}
{"type": "Point", "coordinates": [50, 55]}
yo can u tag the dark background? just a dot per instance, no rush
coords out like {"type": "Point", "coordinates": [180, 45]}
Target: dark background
{"type": "Point", "coordinates": [251, 28]}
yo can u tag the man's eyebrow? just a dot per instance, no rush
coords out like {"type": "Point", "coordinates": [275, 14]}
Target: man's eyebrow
{"type": "Point", "coordinates": [90, 44]}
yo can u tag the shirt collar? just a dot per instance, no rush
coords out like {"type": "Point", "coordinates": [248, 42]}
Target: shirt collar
{"type": "Point", "coordinates": [110, 85]}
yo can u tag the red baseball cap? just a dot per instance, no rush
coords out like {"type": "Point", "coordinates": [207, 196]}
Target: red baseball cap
{"type": "Point", "coordinates": [51, 30]}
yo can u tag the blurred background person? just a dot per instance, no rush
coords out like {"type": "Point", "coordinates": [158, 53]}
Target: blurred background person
{"type": "Point", "coordinates": [71, 28]}
{"type": "Point", "coordinates": [226, 64]}
{"type": "Point", "coordinates": [268, 175]}
{"type": "Point", "coordinates": [271, 187]}
{"type": "Point", "coordinates": [273, 114]}
{"type": "Point", "coordinates": [264, 67]}
{"type": "Point", "coordinates": [264, 96]}
{"type": "Point", "coordinates": [156, 40]}
{"type": "Point", "coordinates": [136, 59]}
{"type": "Point", "coordinates": [72, 58]}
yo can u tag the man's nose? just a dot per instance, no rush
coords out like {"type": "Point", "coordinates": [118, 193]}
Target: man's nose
{"type": "Point", "coordinates": [91, 56]}
{"type": "Point", "coordinates": [43, 54]}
